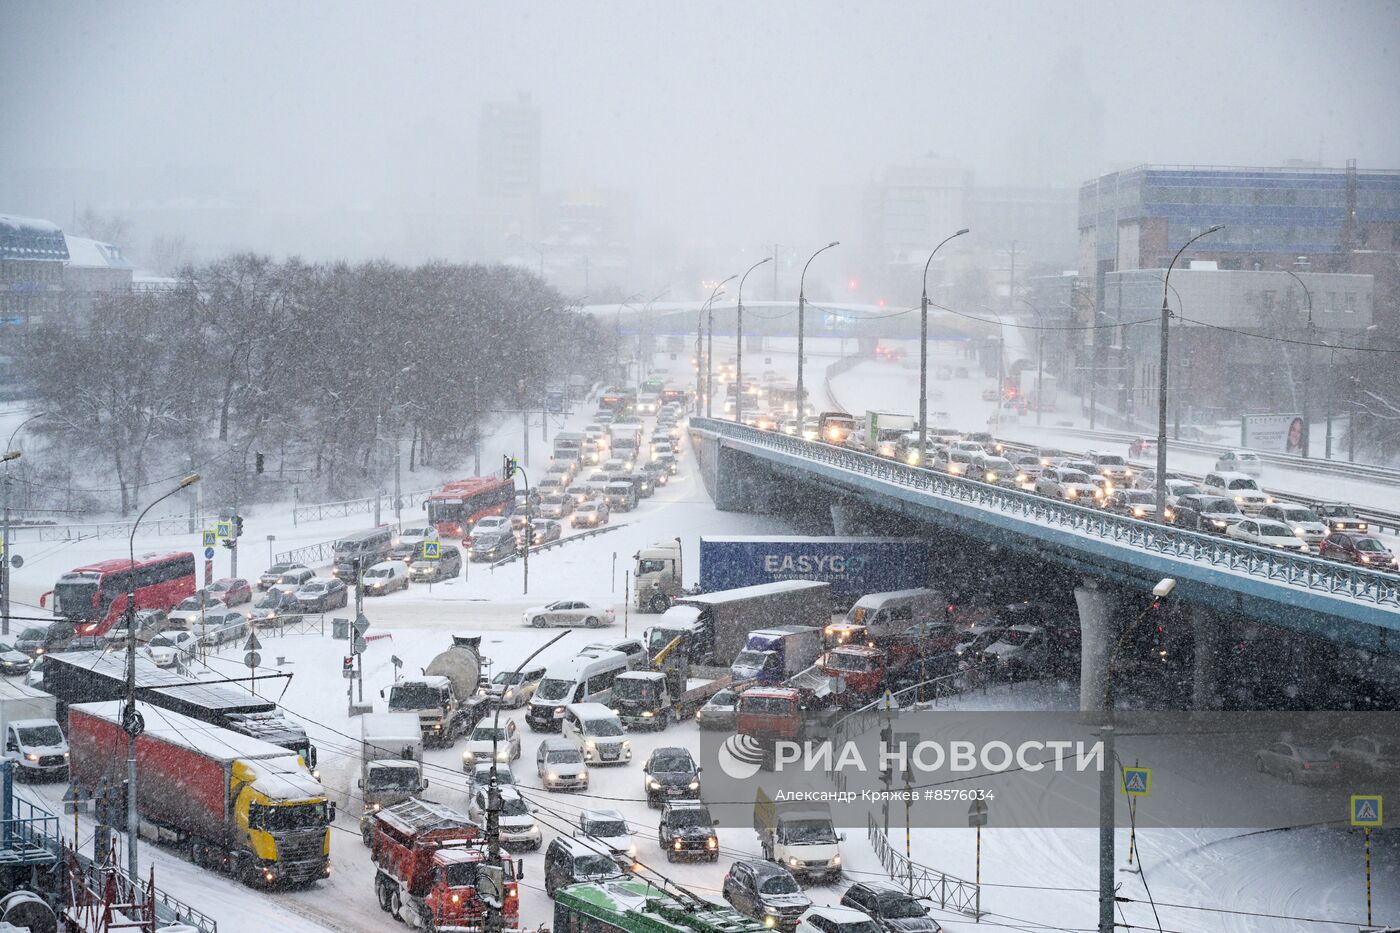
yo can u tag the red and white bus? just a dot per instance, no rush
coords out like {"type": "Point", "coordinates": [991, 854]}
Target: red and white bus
{"type": "Point", "coordinates": [94, 597]}
{"type": "Point", "coordinates": [458, 505]}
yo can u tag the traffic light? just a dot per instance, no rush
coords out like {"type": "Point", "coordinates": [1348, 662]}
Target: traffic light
{"type": "Point", "coordinates": [509, 466]}
{"type": "Point", "coordinates": [257, 463]}
{"type": "Point", "coordinates": [238, 526]}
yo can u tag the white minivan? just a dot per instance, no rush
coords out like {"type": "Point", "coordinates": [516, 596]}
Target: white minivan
{"type": "Point", "coordinates": [896, 611]}
{"type": "Point", "coordinates": [585, 678]}
{"type": "Point", "coordinates": [598, 732]}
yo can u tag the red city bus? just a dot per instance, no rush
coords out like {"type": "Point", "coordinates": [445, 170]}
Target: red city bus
{"type": "Point", "coordinates": [458, 505]}
{"type": "Point", "coordinates": [94, 597]}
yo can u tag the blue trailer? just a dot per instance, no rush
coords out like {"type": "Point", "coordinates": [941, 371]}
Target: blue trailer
{"type": "Point", "coordinates": [853, 566]}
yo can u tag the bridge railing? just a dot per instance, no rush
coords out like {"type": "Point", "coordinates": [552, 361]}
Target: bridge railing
{"type": "Point", "coordinates": [1310, 573]}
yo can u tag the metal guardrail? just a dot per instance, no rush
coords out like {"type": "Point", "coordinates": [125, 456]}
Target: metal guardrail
{"type": "Point", "coordinates": [950, 891]}
{"type": "Point", "coordinates": [577, 536]}
{"type": "Point", "coordinates": [1308, 573]}
{"type": "Point", "coordinates": [313, 555]}
{"type": "Point", "coordinates": [1371, 471]}
{"type": "Point", "coordinates": [160, 526]}
{"type": "Point", "coordinates": [316, 511]}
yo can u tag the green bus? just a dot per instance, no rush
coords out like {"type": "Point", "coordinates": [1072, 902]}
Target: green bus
{"type": "Point", "coordinates": [634, 906]}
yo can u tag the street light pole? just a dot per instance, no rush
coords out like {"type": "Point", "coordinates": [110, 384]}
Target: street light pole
{"type": "Point", "coordinates": [131, 720]}
{"type": "Point", "coordinates": [923, 351]}
{"type": "Point", "coordinates": [739, 353]}
{"type": "Point", "coordinates": [1307, 365]}
{"type": "Point", "coordinates": [710, 350]}
{"type": "Point", "coordinates": [1161, 490]}
{"type": "Point", "coordinates": [9, 453]}
{"type": "Point", "coordinates": [801, 337]}
{"type": "Point", "coordinates": [1108, 775]}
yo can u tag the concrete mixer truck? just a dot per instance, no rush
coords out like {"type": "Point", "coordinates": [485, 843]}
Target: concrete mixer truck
{"type": "Point", "coordinates": [445, 697]}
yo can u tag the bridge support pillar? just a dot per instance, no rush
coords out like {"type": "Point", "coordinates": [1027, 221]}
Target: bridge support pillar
{"type": "Point", "coordinates": [1099, 628]}
{"type": "Point", "coordinates": [1207, 632]}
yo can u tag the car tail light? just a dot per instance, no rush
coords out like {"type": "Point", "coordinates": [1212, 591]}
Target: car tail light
{"type": "Point", "coordinates": [1306, 766]}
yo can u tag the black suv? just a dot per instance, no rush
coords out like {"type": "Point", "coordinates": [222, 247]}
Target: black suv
{"type": "Point", "coordinates": [687, 831]}
{"type": "Point", "coordinates": [1211, 514]}
{"type": "Point", "coordinates": [894, 910]}
{"type": "Point", "coordinates": [670, 773]}
{"type": "Point", "coordinates": [1340, 516]}
{"type": "Point", "coordinates": [575, 861]}
{"type": "Point", "coordinates": [764, 890]}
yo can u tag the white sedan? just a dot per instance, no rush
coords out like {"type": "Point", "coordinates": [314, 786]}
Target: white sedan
{"type": "Point", "coordinates": [570, 612]}
{"type": "Point", "coordinates": [170, 646]}
{"type": "Point", "coordinates": [385, 577]}
{"type": "Point", "coordinates": [1267, 534]}
{"type": "Point", "coordinates": [505, 739]}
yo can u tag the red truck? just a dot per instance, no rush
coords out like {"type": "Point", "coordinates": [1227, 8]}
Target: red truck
{"type": "Point", "coordinates": [231, 802]}
{"type": "Point", "coordinates": [770, 713]}
{"type": "Point", "coordinates": [428, 857]}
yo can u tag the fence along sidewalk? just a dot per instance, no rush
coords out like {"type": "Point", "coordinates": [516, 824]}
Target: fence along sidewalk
{"type": "Point", "coordinates": [181, 524]}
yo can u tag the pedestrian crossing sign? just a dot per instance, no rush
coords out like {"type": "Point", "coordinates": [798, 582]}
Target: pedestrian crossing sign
{"type": "Point", "coordinates": [432, 550]}
{"type": "Point", "coordinates": [1137, 782]}
{"type": "Point", "coordinates": [210, 539]}
{"type": "Point", "coordinates": [1366, 810]}
{"type": "Point", "coordinates": [224, 530]}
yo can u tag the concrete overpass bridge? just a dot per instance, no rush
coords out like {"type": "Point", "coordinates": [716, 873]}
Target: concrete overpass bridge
{"type": "Point", "coordinates": [1118, 559]}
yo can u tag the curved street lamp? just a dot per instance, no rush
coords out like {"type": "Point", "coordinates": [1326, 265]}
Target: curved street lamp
{"type": "Point", "coordinates": [801, 337]}
{"type": "Point", "coordinates": [1307, 365]}
{"type": "Point", "coordinates": [739, 355]}
{"type": "Point", "coordinates": [710, 345]}
{"type": "Point", "coordinates": [1161, 489]}
{"type": "Point", "coordinates": [131, 721]}
{"type": "Point", "coordinates": [923, 351]}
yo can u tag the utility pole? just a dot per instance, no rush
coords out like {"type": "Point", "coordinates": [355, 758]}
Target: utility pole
{"type": "Point", "coordinates": [1307, 367]}
{"type": "Point", "coordinates": [398, 481]}
{"type": "Point", "coordinates": [1040, 378]}
{"type": "Point", "coordinates": [233, 541]}
{"type": "Point", "coordinates": [801, 338]}
{"type": "Point", "coordinates": [6, 456]}
{"type": "Point", "coordinates": [476, 425]}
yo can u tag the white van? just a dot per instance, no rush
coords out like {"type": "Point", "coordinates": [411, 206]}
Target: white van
{"type": "Point", "coordinates": [585, 678]}
{"type": "Point", "coordinates": [888, 613]}
{"type": "Point", "coordinates": [597, 731]}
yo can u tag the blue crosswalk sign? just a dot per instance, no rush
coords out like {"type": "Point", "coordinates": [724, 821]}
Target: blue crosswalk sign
{"type": "Point", "coordinates": [432, 550]}
{"type": "Point", "coordinates": [1137, 782]}
{"type": "Point", "coordinates": [210, 539]}
{"type": "Point", "coordinates": [1366, 810]}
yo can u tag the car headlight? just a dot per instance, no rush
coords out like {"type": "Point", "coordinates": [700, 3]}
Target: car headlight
{"type": "Point", "coordinates": [551, 776]}
{"type": "Point", "coordinates": [647, 714]}
{"type": "Point", "coordinates": [654, 785]}
{"type": "Point", "coordinates": [794, 862]}
{"type": "Point", "coordinates": [1071, 493]}
{"type": "Point", "coordinates": [769, 921]}
{"type": "Point", "coordinates": [836, 859]}
{"type": "Point", "coordinates": [991, 476]}
{"type": "Point", "coordinates": [1299, 532]}
{"type": "Point", "coordinates": [694, 785]}
{"type": "Point", "coordinates": [1218, 523]}
{"type": "Point", "coordinates": [32, 757]}
{"type": "Point", "coordinates": [1239, 500]}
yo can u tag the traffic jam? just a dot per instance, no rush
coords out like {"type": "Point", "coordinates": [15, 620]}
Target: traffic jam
{"type": "Point", "coordinates": [752, 651]}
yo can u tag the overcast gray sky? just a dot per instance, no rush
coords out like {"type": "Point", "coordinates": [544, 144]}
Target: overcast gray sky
{"type": "Point", "coordinates": [716, 116]}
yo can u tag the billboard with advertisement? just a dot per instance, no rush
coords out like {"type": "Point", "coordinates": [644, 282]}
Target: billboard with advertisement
{"type": "Point", "coordinates": [1272, 432]}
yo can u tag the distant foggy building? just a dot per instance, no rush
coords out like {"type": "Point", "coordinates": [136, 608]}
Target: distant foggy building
{"type": "Point", "coordinates": [510, 149]}
{"type": "Point", "coordinates": [1040, 221]}
{"type": "Point", "coordinates": [94, 267]}
{"type": "Point", "coordinates": [32, 255]}
{"type": "Point", "coordinates": [588, 240]}
{"type": "Point", "coordinates": [1339, 228]}
{"type": "Point", "coordinates": [908, 209]}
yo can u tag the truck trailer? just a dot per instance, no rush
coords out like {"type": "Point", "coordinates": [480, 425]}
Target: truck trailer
{"type": "Point", "coordinates": [92, 676]}
{"type": "Point", "coordinates": [714, 626]}
{"type": "Point", "coordinates": [231, 802]}
{"type": "Point", "coordinates": [853, 566]}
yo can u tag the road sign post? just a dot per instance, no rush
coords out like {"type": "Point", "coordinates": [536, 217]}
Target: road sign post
{"type": "Point", "coordinates": [251, 658]}
{"type": "Point", "coordinates": [1367, 812]}
{"type": "Point", "coordinates": [977, 818]}
{"type": "Point", "coordinates": [358, 645]}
